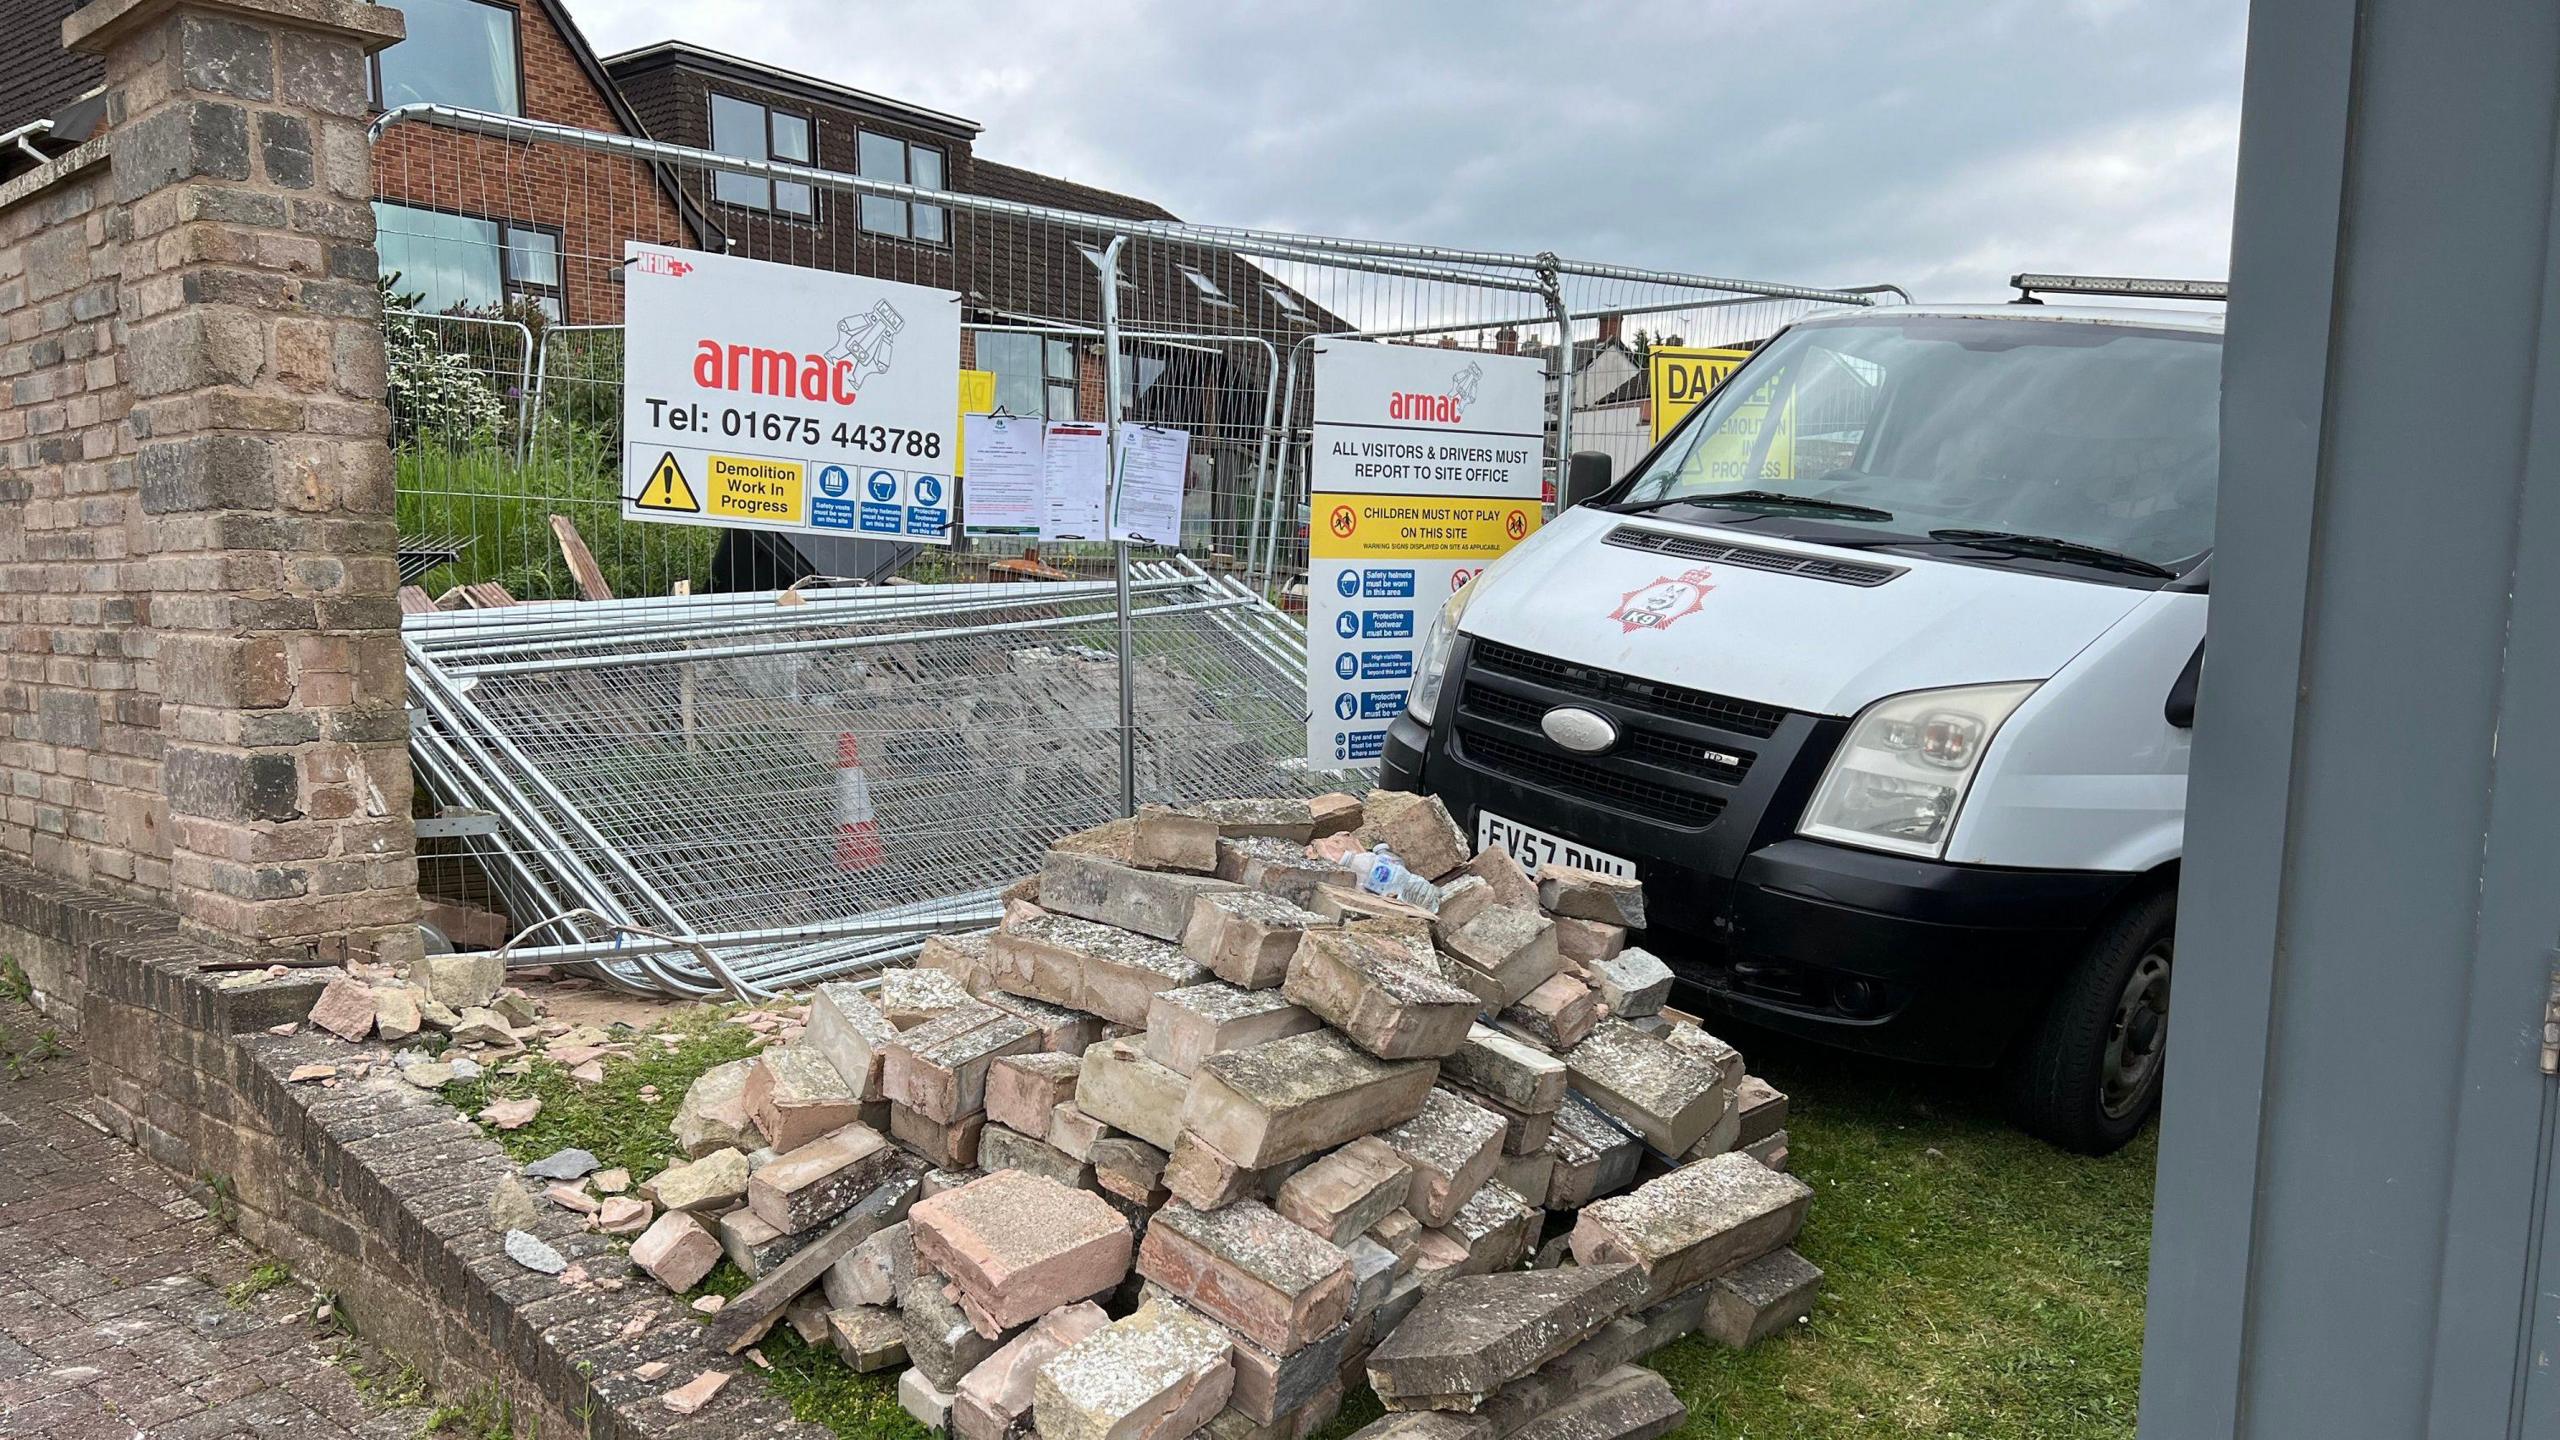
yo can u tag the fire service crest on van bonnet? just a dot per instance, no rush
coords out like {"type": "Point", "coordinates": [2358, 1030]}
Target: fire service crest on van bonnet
{"type": "Point", "coordinates": [1656, 606]}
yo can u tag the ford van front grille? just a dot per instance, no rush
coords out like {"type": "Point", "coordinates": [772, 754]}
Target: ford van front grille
{"type": "Point", "coordinates": [1862, 573]}
{"type": "Point", "coordinates": [1743, 717]}
{"type": "Point", "coordinates": [1636, 739]}
{"type": "Point", "coordinates": [1556, 770]}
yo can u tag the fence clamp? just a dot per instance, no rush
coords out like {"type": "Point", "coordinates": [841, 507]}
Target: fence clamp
{"type": "Point", "coordinates": [2551, 1021]}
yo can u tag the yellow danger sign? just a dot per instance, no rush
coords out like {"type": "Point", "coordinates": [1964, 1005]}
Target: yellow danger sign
{"type": "Point", "coordinates": [667, 489]}
{"type": "Point", "coordinates": [1679, 377]}
{"type": "Point", "coordinates": [1417, 527]}
{"type": "Point", "coordinates": [746, 488]}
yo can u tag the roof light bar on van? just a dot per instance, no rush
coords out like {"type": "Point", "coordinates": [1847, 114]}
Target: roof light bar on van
{"type": "Point", "coordinates": [2031, 285]}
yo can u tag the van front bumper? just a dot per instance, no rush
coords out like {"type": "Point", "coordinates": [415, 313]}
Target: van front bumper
{"type": "Point", "coordinates": [1913, 959]}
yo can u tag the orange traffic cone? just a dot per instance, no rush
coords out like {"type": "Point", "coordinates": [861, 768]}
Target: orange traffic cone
{"type": "Point", "coordinates": [857, 836]}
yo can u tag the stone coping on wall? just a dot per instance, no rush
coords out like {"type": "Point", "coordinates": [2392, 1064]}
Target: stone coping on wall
{"type": "Point", "coordinates": [370, 1188]}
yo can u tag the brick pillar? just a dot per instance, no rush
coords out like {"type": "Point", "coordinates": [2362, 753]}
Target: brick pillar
{"type": "Point", "coordinates": [265, 546]}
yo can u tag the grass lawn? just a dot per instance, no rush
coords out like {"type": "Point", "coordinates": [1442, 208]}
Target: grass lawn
{"type": "Point", "coordinates": [1980, 1284]}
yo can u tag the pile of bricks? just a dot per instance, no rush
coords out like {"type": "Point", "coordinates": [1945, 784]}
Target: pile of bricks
{"type": "Point", "coordinates": [1203, 1135]}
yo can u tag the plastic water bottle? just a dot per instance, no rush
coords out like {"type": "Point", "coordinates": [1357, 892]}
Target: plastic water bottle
{"type": "Point", "coordinates": [1381, 873]}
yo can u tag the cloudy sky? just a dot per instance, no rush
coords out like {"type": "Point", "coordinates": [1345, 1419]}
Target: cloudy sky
{"type": "Point", "coordinates": [1939, 144]}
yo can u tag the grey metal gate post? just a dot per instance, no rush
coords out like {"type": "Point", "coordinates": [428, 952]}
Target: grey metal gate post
{"type": "Point", "coordinates": [2355, 1232]}
{"type": "Point", "coordinates": [1111, 363]}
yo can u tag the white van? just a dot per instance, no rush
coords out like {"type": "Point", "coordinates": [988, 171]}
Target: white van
{"type": "Point", "coordinates": [1879, 672]}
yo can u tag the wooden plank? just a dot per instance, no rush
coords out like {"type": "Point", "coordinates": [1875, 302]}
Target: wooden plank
{"type": "Point", "coordinates": [582, 561]}
{"type": "Point", "coordinates": [747, 1316]}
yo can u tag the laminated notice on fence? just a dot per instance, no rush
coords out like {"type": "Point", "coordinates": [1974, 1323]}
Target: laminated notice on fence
{"type": "Point", "coordinates": [1426, 468]}
{"type": "Point", "coordinates": [1075, 470]}
{"type": "Point", "coordinates": [776, 397]}
{"type": "Point", "coordinates": [1146, 506]}
{"type": "Point", "coordinates": [1005, 454]}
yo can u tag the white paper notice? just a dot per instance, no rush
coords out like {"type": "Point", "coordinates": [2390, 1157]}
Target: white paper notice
{"type": "Point", "coordinates": [1076, 471]}
{"type": "Point", "coordinates": [1003, 494]}
{"type": "Point", "coordinates": [1154, 462]}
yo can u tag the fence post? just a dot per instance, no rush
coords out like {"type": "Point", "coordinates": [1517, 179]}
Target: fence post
{"type": "Point", "coordinates": [1552, 287]}
{"type": "Point", "coordinates": [263, 471]}
{"type": "Point", "coordinates": [1111, 363]}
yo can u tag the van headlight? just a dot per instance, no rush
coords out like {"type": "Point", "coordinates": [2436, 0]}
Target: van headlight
{"type": "Point", "coordinates": [1903, 770]}
{"type": "Point", "coordinates": [1431, 657]}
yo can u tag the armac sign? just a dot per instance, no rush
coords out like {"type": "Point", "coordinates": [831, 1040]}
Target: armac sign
{"type": "Point", "coordinates": [774, 397]}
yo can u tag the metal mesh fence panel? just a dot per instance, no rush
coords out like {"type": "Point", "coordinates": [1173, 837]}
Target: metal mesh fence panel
{"type": "Point", "coordinates": [702, 762]}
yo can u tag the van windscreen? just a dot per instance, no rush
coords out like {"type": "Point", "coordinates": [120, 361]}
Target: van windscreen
{"type": "Point", "coordinates": [2097, 434]}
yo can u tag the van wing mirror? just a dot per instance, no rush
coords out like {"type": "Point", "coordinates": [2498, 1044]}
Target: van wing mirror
{"type": "Point", "coordinates": [1586, 474]}
{"type": "Point", "coordinates": [2181, 709]}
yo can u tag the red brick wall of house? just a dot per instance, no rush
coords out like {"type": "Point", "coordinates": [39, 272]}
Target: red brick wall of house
{"type": "Point", "coordinates": [596, 201]}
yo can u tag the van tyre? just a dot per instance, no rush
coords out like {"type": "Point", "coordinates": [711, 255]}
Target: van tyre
{"type": "Point", "coordinates": [2088, 1075]}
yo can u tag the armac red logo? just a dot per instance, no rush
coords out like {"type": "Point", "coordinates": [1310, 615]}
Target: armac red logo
{"type": "Point", "coordinates": [1656, 606]}
{"type": "Point", "coordinates": [1448, 409]}
{"type": "Point", "coordinates": [864, 347]}
{"type": "Point", "coordinates": [654, 264]}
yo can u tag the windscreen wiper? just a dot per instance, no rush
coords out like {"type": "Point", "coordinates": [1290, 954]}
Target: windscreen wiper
{"type": "Point", "coordinates": [1761, 499]}
{"type": "Point", "coordinates": [2054, 548]}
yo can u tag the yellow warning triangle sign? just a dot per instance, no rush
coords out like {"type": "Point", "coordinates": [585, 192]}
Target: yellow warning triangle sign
{"type": "Point", "coordinates": [667, 489]}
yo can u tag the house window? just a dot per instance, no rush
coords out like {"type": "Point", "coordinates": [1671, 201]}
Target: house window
{"type": "Point", "coordinates": [759, 132]}
{"type": "Point", "coordinates": [1210, 294]}
{"type": "Point", "coordinates": [886, 157]}
{"type": "Point", "coordinates": [1035, 374]}
{"type": "Point", "coordinates": [1285, 299]}
{"type": "Point", "coordinates": [458, 52]}
{"type": "Point", "coordinates": [463, 260]}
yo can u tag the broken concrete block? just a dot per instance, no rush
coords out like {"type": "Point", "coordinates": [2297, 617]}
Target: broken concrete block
{"type": "Point", "coordinates": [1415, 828]}
{"type": "Point", "coordinates": [1632, 983]}
{"type": "Point", "coordinates": [794, 1095]}
{"type": "Point", "coordinates": [1273, 818]}
{"type": "Point", "coordinates": [1073, 1131]}
{"type": "Point", "coordinates": [1019, 1246]}
{"type": "Point", "coordinates": [1585, 943]}
{"type": "Point", "coordinates": [925, 1403]}
{"type": "Point", "coordinates": [676, 1251]}
{"type": "Point", "coordinates": [1245, 937]}
{"type": "Point", "coordinates": [1452, 1147]}
{"type": "Point", "coordinates": [939, 1068]}
{"type": "Point", "coordinates": [482, 1026]}
{"type": "Point", "coordinates": [1720, 1137]}
{"type": "Point", "coordinates": [1590, 895]}
{"type": "Point", "coordinates": [822, 1179]}
{"type": "Point", "coordinates": [1763, 1108]}
{"type": "Point", "coordinates": [1206, 1178]}
{"type": "Point", "coordinates": [994, 1399]}
{"type": "Point", "coordinates": [1187, 1026]}
{"type": "Point", "coordinates": [714, 1182]}
{"type": "Point", "coordinates": [1269, 1387]}
{"type": "Point", "coordinates": [1277, 868]}
{"type": "Point", "coordinates": [1769, 1149]}
{"type": "Point", "coordinates": [1425, 1425]}
{"type": "Point", "coordinates": [1062, 1031]}
{"type": "Point", "coordinates": [1155, 903]}
{"type": "Point", "coordinates": [1523, 1131]}
{"type": "Point", "coordinates": [460, 982]}
{"type": "Point", "coordinates": [1494, 1230]}
{"type": "Point", "coordinates": [874, 1272]}
{"type": "Point", "coordinates": [713, 1115]}
{"type": "Point", "coordinates": [960, 954]}
{"type": "Point", "coordinates": [1299, 1095]}
{"type": "Point", "coordinates": [1344, 902]}
{"type": "Point", "coordinates": [1695, 1223]}
{"type": "Point", "coordinates": [1593, 1158]}
{"type": "Point", "coordinates": [1669, 1095]}
{"type": "Point", "coordinates": [1514, 946]}
{"type": "Point", "coordinates": [949, 1145]}
{"type": "Point", "coordinates": [1530, 1174]}
{"type": "Point", "coordinates": [941, 1343]}
{"type": "Point", "coordinates": [1726, 1059]}
{"type": "Point", "coordinates": [344, 1009]}
{"type": "Point", "coordinates": [910, 995]}
{"type": "Point", "coordinates": [1022, 1090]}
{"type": "Point", "coordinates": [1130, 1168]}
{"type": "Point", "coordinates": [1165, 838]}
{"type": "Point", "coordinates": [1001, 1147]}
{"type": "Point", "coordinates": [1558, 1014]}
{"type": "Point", "coordinates": [754, 1246]}
{"type": "Point", "coordinates": [1091, 967]}
{"type": "Point", "coordinates": [396, 1016]}
{"type": "Point", "coordinates": [1629, 1403]}
{"type": "Point", "coordinates": [1119, 1086]}
{"type": "Point", "coordinates": [1470, 1336]}
{"type": "Point", "coordinates": [1507, 1069]}
{"type": "Point", "coordinates": [1161, 1372]}
{"type": "Point", "coordinates": [868, 1337]}
{"type": "Point", "coordinates": [1376, 997]}
{"type": "Point", "coordinates": [1461, 900]}
{"type": "Point", "coordinates": [1340, 1196]}
{"type": "Point", "coordinates": [1248, 1269]}
{"type": "Point", "coordinates": [1680, 1315]}
{"type": "Point", "coordinates": [1761, 1298]}
{"type": "Point", "coordinates": [1335, 813]}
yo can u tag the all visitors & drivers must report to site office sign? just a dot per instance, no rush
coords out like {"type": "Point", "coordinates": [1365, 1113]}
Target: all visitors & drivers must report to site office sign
{"type": "Point", "coordinates": [1426, 469]}
{"type": "Point", "coordinates": [775, 397]}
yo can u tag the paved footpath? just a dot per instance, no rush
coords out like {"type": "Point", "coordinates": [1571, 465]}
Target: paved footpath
{"type": "Point", "coordinates": [114, 1317]}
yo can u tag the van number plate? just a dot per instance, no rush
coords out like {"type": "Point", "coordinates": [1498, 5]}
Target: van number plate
{"type": "Point", "coordinates": [1536, 847]}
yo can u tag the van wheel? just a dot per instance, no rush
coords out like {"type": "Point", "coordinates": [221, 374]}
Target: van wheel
{"type": "Point", "coordinates": [2088, 1075]}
